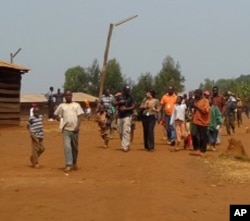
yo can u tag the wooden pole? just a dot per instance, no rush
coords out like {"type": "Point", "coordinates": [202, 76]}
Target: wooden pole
{"type": "Point", "coordinates": [105, 60]}
{"type": "Point", "coordinates": [13, 55]}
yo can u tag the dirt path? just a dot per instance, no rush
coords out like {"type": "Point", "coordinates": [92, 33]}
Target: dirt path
{"type": "Point", "coordinates": [111, 185]}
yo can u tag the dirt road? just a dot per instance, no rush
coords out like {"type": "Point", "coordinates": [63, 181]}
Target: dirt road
{"type": "Point", "coordinates": [111, 185]}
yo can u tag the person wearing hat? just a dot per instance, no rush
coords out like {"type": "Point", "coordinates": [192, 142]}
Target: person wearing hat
{"type": "Point", "coordinates": [125, 105]}
{"type": "Point", "coordinates": [206, 94]}
{"type": "Point", "coordinates": [229, 112]}
{"type": "Point", "coordinates": [239, 107]}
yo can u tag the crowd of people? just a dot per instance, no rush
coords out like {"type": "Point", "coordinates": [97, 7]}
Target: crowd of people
{"type": "Point", "coordinates": [192, 121]}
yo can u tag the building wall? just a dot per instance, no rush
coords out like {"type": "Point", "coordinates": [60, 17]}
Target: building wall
{"type": "Point", "coordinates": [10, 84]}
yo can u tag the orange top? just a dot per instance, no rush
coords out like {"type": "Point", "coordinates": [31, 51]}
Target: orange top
{"type": "Point", "coordinates": [168, 101]}
{"type": "Point", "coordinates": [201, 116]}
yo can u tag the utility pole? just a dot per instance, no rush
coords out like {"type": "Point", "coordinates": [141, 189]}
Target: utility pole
{"type": "Point", "coordinates": [105, 59]}
{"type": "Point", "coordinates": [14, 55]}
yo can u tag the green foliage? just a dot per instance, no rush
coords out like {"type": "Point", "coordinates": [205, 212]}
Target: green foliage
{"type": "Point", "coordinates": [75, 79]}
{"type": "Point", "coordinates": [169, 75]}
{"type": "Point", "coordinates": [208, 85]}
{"type": "Point", "coordinates": [114, 79]}
{"type": "Point", "coordinates": [87, 80]}
{"type": "Point", "coordinates": [239, 86]}
{"type": "Point", "coordinates": [93, 73]}
{"type": "Point", "coordinates": [144, 82]}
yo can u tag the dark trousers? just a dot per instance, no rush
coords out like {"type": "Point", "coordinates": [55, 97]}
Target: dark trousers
{"type": "Point", "coordinates": [50, 109]}
{"type": "Point", "coordinates": [148, 124]}
{"type": "Point", "coordinates": [199, 137]}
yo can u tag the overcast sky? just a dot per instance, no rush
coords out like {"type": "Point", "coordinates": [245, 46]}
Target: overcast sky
{"type": "Point", "coordinates": [209, 38]}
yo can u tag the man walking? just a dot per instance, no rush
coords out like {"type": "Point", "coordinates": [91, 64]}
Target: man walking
{"type": "Point", "coordinates": [168, 102]}
{"type": "Point", "coordinates": [125, 106]}
{"type": "Point", "coordinates": [70, 113]}
{"type": "Point", "coordinates": [219, 101]}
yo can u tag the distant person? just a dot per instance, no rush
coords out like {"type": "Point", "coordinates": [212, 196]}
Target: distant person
{"type": "Point", "coordinates": [107, 100]}
{"type": "Point", "coordinates": [70, 113]}
{"type": "Point", "coordinates": [58, 98]}
{"type": "Point", "coordinates": [150, 108]}
{"type": "Point", "coordinates": [219, 101]}
{"type": "Point", "coordinates": [33, 105]}
{"type": "Point", "coordinates": [125, 105]}
{"type": "Point", "coordinates": [168, 101]}
{"type": "Point", "coordinates": [87, 109]}
{"type": "Point", "coordinates": [35, 127]}
{"type": "Point", "coordinates": [50, 102]}
{"type": "Point", "coordinates": [239, 107]}
{"type": "Point", "coordinates": [214, 126]}
{"type": "Point", "coordinates": [103, 120]}
{"type": "Point", "coordinates": [229, 112]}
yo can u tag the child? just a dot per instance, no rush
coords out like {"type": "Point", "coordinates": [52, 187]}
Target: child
{"type": "Point", "coordinates": [35, 127]}
{"type": "Point", "coordinates": [214, 125]}
{"type": "Point", "coordinates": [103, 120]}
{"type": "Point", "coordinates": [178, 120]}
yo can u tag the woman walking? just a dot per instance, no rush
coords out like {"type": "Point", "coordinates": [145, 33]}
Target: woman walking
{"type": "Point", "coordinates": [150, 107]}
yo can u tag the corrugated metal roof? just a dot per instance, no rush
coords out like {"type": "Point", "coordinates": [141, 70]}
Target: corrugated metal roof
{"type": "Point", "coordinates": [39, 98]}
{"type": "Point", "coordinates": [13, 66]}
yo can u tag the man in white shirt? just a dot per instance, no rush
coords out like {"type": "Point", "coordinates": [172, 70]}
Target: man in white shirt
{"type": "Point", "coordinates": [70, 112]}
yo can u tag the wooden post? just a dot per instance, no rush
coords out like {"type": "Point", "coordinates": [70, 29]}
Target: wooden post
{"type": "Point", "coordinates": [105, 60]}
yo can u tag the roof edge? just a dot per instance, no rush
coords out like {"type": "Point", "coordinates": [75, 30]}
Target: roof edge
{"type": "Point", "coordinates": [5, 64]}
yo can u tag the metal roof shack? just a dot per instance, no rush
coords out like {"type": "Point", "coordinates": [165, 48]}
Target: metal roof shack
{"type": "Point", "coordinates": [10, 87]}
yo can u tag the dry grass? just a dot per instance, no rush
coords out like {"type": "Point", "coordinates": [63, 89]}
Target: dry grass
{"type": "Point", "coordinates": [231, 170]}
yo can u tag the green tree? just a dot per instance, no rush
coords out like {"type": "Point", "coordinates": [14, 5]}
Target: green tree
{"type": "Point", "coordinates": [76, 79]}
{"type": "Point", "coordinates": [144, 82]}
{"type": "Point", "coordinates": [114, 78]}
{"type": "Point", "coordinates": [169, 75]}
{"type": "Point", "coordinates": [207, 85]}
{"type": "Point", "coordinates": [93, 73]}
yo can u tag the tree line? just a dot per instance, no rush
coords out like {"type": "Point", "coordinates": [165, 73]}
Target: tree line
{"type": "Point", "coordinates": [87, 80]}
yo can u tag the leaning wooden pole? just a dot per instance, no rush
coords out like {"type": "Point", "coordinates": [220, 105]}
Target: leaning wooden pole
{"type": "Point", "coordinates": [105, 60]}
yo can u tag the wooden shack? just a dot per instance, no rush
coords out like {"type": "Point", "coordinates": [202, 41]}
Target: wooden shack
{"type": "Point", "coordinates": [10, 89]}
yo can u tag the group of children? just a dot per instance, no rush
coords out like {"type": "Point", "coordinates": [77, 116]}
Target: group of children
{"type": "Point", "coordinates": [181, 119]}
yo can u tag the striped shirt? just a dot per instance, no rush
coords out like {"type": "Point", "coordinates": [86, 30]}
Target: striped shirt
{"type": "Point", "coordinates": [107, 101]}
{"type": "Point", "coordinates": [36, 126]}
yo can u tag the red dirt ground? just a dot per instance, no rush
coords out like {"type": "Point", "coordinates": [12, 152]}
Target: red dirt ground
{"type": "Point", "coordinates": [111, 185]}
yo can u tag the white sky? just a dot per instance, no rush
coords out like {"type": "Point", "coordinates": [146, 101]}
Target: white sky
{"type": "Point", "coordinates": [210, 39]}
